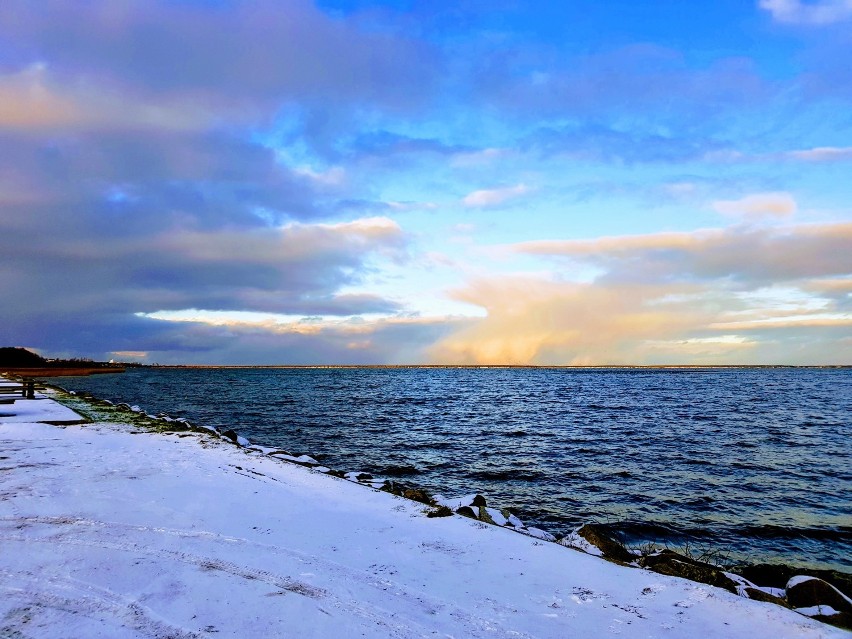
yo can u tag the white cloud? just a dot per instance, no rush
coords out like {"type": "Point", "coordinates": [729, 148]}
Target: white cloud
{"type": "Point", "coordinates": [494, 197]}
{"type": "Point", "coordinates": [816, 12]}
{"type": "Point", "coordinates": [822, 154]}
{"type": "Point", "coordinates": [778, 204]}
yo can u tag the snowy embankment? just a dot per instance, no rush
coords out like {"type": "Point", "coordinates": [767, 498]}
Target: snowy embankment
{"type": "Point", "coordinates": [107, 530]}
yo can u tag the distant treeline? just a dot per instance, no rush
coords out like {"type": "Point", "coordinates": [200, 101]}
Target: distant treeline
{"type": "Point", "coordinates": [14, 357]}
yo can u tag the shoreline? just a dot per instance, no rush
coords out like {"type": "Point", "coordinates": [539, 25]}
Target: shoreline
{"type": "Point", "coordinates": [577, 543]}
{"type": "Point", "coordinates": [195, 553]}
{"type": "Point", "coordinates": [537, 496]}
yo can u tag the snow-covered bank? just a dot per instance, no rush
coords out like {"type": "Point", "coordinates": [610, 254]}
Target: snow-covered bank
{"type": "Point", "coordinates": [110, 531]}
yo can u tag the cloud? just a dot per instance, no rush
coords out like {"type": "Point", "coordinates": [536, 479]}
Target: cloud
{"type": "Point", "coordinates": [33, 99]}
{"type": "Point", "coordinates": [815, 154]}
{"type": "Point", "coordinates": [815, 12]}
{"type": "Point", "coordinates": [750, 256]}
{"type": "Point", "coordinates": [224, 53]}
{"type": "Point", "coordinates": [757, 205]}
{"type": "Point", "coordinates": [822, 154]}
{"type": "Point", "coordinates": [494, 197]}
{"type": "Point", "coordinates": [667, 298]}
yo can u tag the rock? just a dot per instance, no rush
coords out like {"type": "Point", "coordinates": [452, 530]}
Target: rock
{"type": "Point", "coordinates": [466, 511]}
{"type": "Point", "coordinates": [804, 591]}
{"type": "Point", "coordinates": [440, 511]}
{"type": "Point", "coordinates": [839, 619]}
{"type": "Point", "coordinates": [538, 533]}
{"type": "Point", "coordinates": [511, 520]}
{"type": "Point", "coordinates": [356, 476]}
{"type": "Point", "coordinates": [417, 494]}
{"type": "Point", "coordinates": [760, 595]}
{"type": "Point", "coordinates": [281, 452]}
{"type": "Point", "coordinates": [668, 562]}
{"type": "Point", "coordinates": [230, 434]}
{"type": "Point", "coordinates": [605, 542]}
{"type": "Point", "coordinates": [473, 501]}
{"type": "Point", "coordinates": [393, 488]}
{"type": "Point", "coordinates": [242, 441]}
{"type": "Point", "coordinates": [493, 516]}
{"type": "Point", "coordinates": [485, 516]}
{"type": "Point", "coordinates": [777, 576]}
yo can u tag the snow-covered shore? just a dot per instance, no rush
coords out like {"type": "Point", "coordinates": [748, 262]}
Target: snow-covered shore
{"type": "Point", "coordinates": [107, 530]}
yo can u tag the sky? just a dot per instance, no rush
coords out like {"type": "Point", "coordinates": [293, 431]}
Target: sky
{"type": "Point", "coordinates": [401, 181]}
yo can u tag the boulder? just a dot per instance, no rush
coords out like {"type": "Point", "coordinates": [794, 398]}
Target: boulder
{"type": "Point", "coordinates": [356, 476]}
{"type": "Point", "coordinates": [668, 562]}
{"type": "Point", "coordinates": [804, 592]}
{"type": "Point", "coordinates": [605, 542]}
{"type": "Point", "coordinates": [440, 511]}
{"type": "Point", "coordinates": [760, 595]}
{"type": "Point", "coordinates": [538, 533]}
{"type": "Point", "coordinates": [777, 576]}
{"type": "Point", "coordinates": [511, 520]}
{"type": "Point", "coordinates": [230, 434]}
{"type": "Point", "coordinates": [474, 501]}
{"type": "Point", "coordinates": [466, 511]}
{"type": "Point", "coordinates": [417, 494]}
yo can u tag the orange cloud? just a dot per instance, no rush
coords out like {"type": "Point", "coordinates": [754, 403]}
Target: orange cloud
{"type": "Point", "coordinates": [667, 298]}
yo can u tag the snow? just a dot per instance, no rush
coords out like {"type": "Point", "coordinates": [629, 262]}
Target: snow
{"type": "Point", "coordinates": [107, 531]}
{"type": "Point", "coordinates": [812, 611]}
{"type": "Point", "coordinates": [799, 579]}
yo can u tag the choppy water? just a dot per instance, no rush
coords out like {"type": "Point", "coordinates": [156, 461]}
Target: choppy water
{"type": "Point", "coordinates": [755, 463]}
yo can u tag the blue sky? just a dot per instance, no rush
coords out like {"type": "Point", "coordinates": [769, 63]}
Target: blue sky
{"type": "Point", "coordinates": [428, 182]}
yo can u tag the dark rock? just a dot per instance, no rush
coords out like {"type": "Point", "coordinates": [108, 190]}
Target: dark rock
{"type": "Point", "coordinates": [230, 434]}
{"type": "Point", "coordinates": [393, 488]}
{"type": "Point", "coordinates": [417, 494]}
{"type": "Point", "coordinates": [777, 576]}
{"type": "Point", "coordinates": [282, 452]}
{"type": "Point", "coordinates": [606, 543]}
{"type": "Point", "coordinates": [485, 516]}
{"type": "Point", "coordinates": [466, 511]}
{"type": "Point", "coordinates": [670, 563]}
{"type": "Point", "coordinates": [440, 511]}
{"type": "Point", "coordinates": [816, 592]}
{"type": "Point", "coordinates": [178, 427]}
{"type": "Point", "coordinates": [759, 595]}
{"type": "Point", "coordinates": [478, 500]}
{"type": "Point", "coordinates": [337, 473]}
{"type": "Point", "coordinates": [841, 620]}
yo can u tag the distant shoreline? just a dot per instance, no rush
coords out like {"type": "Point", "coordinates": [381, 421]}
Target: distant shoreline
{"type": "Point", "coordinates": [503, 366]}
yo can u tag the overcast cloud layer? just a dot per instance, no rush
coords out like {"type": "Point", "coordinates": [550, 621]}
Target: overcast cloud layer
{"type": "Point", "coordinates": [350, 181]}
